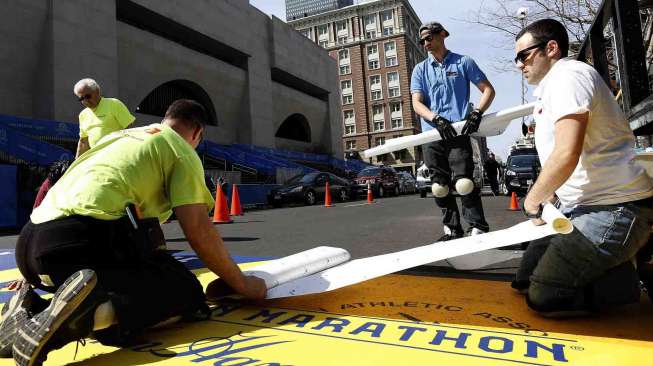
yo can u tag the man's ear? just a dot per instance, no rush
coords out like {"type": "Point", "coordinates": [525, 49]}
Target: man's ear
{"type": "Point", "coordinates": [553, 49]}
{"type": "Point", "coordinates": [197, 132]}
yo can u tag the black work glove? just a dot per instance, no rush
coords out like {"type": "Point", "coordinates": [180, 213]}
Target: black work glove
{"type": "Point", "coordinates": [444, 127]}
{"type": "Point", "coordinates": [473, 121]}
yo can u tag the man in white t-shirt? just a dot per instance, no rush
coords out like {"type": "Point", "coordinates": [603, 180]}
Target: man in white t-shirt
{"type": "Point", "coordinates": [586, 150]}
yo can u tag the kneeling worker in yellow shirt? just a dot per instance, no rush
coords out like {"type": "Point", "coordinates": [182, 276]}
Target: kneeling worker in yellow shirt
{"type": "Point", "coordinates": [96, 242]}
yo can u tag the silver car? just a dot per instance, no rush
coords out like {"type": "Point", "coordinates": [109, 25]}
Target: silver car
{"type": "Point", "coordinates": [407, 183]}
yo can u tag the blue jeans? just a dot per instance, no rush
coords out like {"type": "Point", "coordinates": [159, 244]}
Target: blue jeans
{"type": "Point", "coordinates": [590, 267]}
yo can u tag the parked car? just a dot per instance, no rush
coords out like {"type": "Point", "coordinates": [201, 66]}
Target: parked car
{"type": "Point", "coordinates": [423, 180]}
{"type": "Point", "coordinates": [309, 188]}
{"type": "Point", "coordinates": [407, 183]}
{"type": "Point", "coordinates": [383, 181]}
{"type": "Point", "coordinates": [520, 172]}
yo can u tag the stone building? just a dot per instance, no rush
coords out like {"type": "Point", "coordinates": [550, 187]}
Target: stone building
{"type": "Point", "coordinates": [238, 62]}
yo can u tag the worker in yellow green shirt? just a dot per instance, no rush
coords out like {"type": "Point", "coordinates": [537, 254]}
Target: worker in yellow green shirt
{"type": "Point", "coordinates": [100, 117]}
{"type": "Point", "coordinates": [96, 242]}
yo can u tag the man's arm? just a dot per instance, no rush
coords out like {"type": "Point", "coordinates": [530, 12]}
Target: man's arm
{"type": "Point", "coordinates": [569, 137]}
{"type": "Point", "coordinates": [207, 243]}
{"type": "Point", "coordinates": [82, 146]}
{"type": "Point", "coordinates": [421, 109]}
{"type": "Point", "coordinates": [487, 96]}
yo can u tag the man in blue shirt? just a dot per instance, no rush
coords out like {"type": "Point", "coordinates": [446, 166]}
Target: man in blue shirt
{"type": "Point", "coordinates": [440, 94]}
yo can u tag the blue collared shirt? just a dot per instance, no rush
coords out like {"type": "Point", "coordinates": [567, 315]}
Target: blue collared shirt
{"type": "Point", "coordinates": [445, 86]}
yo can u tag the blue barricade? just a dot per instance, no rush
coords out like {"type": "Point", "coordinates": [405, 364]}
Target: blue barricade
{"type": "Point", "coordinates": [8, 197]}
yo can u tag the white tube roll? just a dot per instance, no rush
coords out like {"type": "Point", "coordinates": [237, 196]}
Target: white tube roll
{"type": "Point", "coordinates": [492, 124]}
{"type": "Point", "coordinates": [299, 265]}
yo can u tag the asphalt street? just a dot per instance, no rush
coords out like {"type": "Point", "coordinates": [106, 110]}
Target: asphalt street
{"type": "Point", "coordinates": [388, 225]}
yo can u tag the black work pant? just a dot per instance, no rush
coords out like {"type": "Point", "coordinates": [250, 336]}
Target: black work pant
{"type": "Point", "coordinates": [494, 183]}
{"type": "Point", "coordinates": [145, 285]}
{"type": "Point", "coordinates": [449, 160]}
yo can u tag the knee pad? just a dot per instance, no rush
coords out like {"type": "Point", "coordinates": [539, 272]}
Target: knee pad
{"type": "Point", "coordinates": [464, 186]}
{"type": "Point", "coordinates": [439, 190]}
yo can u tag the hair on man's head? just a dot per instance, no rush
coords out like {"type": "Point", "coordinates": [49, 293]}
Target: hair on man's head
{"type": "Point", "coordinates": [548, 30]}
{"type": "Point", "coordinates": [86, 83]}
{"type": "Point", "coordinates": [188, 112]}
{"type": "Point", "coordinates": [433, 28]}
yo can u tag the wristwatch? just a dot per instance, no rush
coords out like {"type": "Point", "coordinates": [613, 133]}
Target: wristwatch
{"type": "Point", "coordinates": [537, 215]}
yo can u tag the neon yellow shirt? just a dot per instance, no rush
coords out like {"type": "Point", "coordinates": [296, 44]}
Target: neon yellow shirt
{"type": "Point", "coordinates": [108, 116]}
{"type": "Point", "coordinates": [152, 167]}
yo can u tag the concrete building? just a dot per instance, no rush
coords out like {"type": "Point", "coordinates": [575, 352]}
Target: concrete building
{"type": "Point", "coordinates": [238, 62]}
{"type": "Point", "coordinates": [376, 46]}
{"type": "Point", "coordinates": [296, 9]}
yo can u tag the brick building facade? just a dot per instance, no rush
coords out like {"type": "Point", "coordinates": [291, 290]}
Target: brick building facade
{"type": "Point", "coordinates": [376, 46]}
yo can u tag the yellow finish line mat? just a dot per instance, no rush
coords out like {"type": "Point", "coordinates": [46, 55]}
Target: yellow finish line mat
{"type": "Point", "coordinates": [392, 320]}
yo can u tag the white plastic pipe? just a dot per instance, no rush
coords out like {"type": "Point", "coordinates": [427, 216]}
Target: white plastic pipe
{"type": "Point", "coordinates": [365, 269]}
{"type": "Point", "coordinates": [493, 124]}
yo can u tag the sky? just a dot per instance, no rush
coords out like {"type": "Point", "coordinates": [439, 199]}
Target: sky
{"type": "Point", "coordinates": [483, 46]}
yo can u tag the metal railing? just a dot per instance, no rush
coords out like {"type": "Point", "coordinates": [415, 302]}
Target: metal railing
{"type": "Point", "coordinates": [615, 46]}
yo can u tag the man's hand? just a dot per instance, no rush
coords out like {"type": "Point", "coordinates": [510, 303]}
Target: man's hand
{"type": "Point", "coordinates": [473, 121]}
{"type": "Point", "coordinates": [533, 208]}
{"type": "Point", "coordinates": [444, 127]}
{"type": "Point", "coordinates": [254, 288]}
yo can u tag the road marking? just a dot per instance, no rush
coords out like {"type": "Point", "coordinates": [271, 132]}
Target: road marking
{"type": "Point", "coordinates": [358, 204]}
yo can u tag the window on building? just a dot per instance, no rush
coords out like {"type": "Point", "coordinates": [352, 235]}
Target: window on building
{"type": "Point", "coordinates": [350, 129]}
{"type": "Point", "coordinates": [378, 118]}
{"type": "Point", "coordinates": [375, 87]}
{"type": "Point", "coordinates": [373, 64]}
{"type": "Point", "coordinates": [350, 145]}
{"type": "Point", "coordinates": [379, 140]}
{"type": "Point", "coordinates": [386, 16]}
{"type": "Point", "coordinates": [345, 85]}
{"type": "Point", "coordinates": [370, 20]}
{"type": "Point", "coordinates": [323, 43]}
{"type": "Point", "coordinates": [347, 99]}
{"type": "Point", "coordinates": [390, 48]}
{"type": "Point", "coordinates": [342, 40]}
{"type": "Point", "coordinates": [372, 50]}
{"type": "Point", "coordinates": [341, 26]}
{"type": "Point", "coordinates": [306, 32]}
{"type": "Point", "coordinates": [371, 34]}
{"type": "Point", "coordinates": [393, 84]}
{"type": "Point", "coordinates": [388, 31]}
{"type": "Point", "coordinates": [344, 70]}
{"type": "Point", "coordinates": [348, 117]}
{"type": "Point", "coordinates": [343, 56]}
{"type": "Point", "coordinates": [396, 119]}
{"type": "Point", "coordinates": [391, 61]}
{"type": "Point", "coordinates": [322, 30]}
{"type": "Point", "coordinates": [375, 82]}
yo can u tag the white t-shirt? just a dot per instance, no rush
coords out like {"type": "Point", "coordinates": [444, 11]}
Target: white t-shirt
{"type": "Point", "coordinates": [606, 172]}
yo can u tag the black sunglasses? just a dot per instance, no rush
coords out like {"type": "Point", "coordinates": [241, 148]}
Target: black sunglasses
{"type": "Point", "coordinates": [84, 97]}
{"type": "Point", "coordinates": [428, 38]}
{"type": "Point", "coordinates": [523, 54]}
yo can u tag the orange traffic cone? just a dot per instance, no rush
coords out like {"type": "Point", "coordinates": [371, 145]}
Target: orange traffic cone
{"type": "Point", "coordinates": [327, 196]}
{"type": "Point", "coordinates": [236, 210]}
{"type": "Point", "coordinates": [221, 212]}
{"type": "Point", "coordinates": [514, 206]}
{"type": "Point", "coordinates": [370, 197]}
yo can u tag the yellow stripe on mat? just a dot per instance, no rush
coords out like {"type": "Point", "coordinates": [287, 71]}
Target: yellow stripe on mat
{"type": "Point", "coordinates": [392, 320]}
